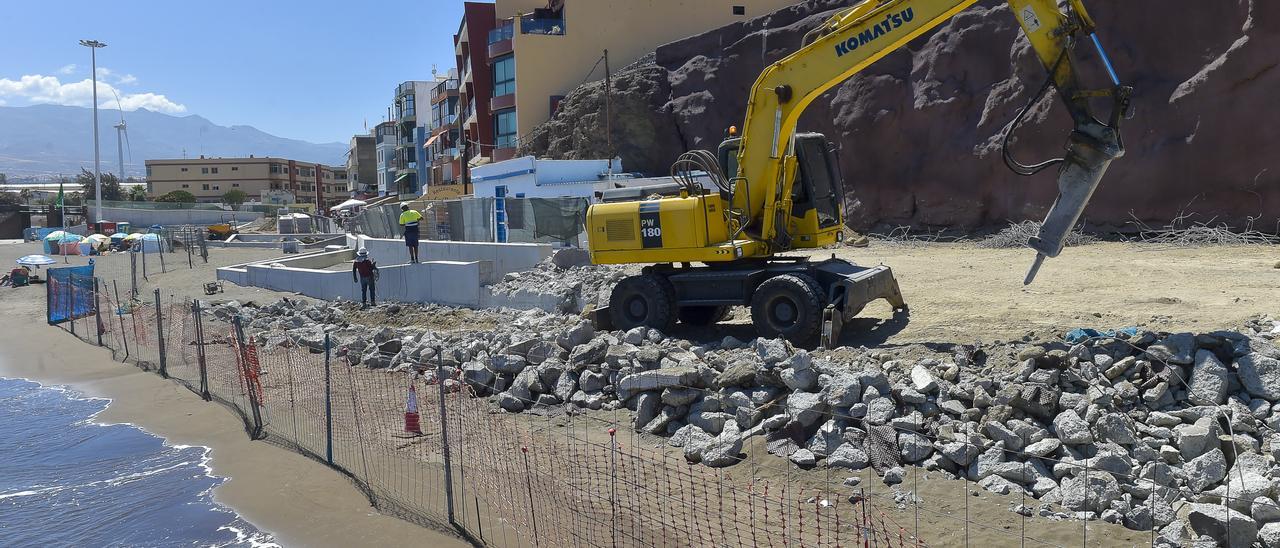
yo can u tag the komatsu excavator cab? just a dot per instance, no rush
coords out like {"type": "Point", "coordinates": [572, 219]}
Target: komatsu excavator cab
{"type": "Point", "coordinates": [817, 197]}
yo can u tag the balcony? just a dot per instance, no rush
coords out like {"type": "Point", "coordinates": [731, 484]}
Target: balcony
{"type": "Point", "coordinates": [502, 102]}
{"type": "Point", "coordinates": [500, 40]}
{"type": "Point", "coordinates": [405, 88]}
{"type": "Point", "coordinates": [542, 22]}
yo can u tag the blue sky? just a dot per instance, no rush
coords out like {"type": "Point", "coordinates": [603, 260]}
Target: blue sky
{"type": "Point", "coordinates": [313, 70]}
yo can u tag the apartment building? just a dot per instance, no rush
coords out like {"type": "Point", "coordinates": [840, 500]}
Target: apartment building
{"type": "Point", "coordinates": [541, 49]}
{"type": "Point", "coordinates": [362, 166]}
{"type": "Point", "coordinates": [386, 137]}
{"type": "Point", "coordinates": [209, 178]}
{"type": "Point", "coordinates": [443, 145]}
{"type": "Point", "coordinates": [471, 47]}
{"type": "Point", "coordinates": [412, 123]}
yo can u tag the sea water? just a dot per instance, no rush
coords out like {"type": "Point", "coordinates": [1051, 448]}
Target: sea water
{"type": "Point", "coordinates": [66, 480]}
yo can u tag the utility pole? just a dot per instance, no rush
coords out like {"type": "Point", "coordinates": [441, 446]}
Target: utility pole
{"type": "Point", "coordinates": [608, 111]}
{"type": "Point", "coordinates": [93, 46]}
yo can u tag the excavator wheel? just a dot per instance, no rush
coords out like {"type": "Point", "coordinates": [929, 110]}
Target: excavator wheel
{"type": "Point", "coordinates": [702, 315]}
{"type": "Point", "coordinates": [647, 299]}
{"type": "Point", "coordinates": [788, 306]}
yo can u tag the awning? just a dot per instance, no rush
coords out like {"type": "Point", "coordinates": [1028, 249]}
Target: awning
{"type": "Point", "coordinates": [403, 176]}
{"type": "Point", "coordinates": [431, 140]}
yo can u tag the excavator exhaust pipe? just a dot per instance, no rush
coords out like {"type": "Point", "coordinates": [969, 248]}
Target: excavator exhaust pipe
{"type": "Point", "coordinates": [1087, 160]}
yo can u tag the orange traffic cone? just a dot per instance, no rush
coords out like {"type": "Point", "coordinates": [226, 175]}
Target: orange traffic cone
{"type": "Point", "coordinates": [411, 418]}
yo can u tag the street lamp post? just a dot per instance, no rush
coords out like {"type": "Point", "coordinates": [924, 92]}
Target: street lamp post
{"type": "Point", "coordinates": [93, 46]}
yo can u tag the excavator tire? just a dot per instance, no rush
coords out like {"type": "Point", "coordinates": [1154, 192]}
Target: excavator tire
{"type": "Point", "coordinates": [702, 315]}
{"type": "Point", "coordinates": [647, 299]}
{"type": "Point", "coordinates": [788, 306]}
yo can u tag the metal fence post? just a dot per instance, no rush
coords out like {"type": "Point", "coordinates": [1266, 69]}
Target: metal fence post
{"type": "Point", "coordinates": [97, 310]}
{"type": "Point", "coordinates": [444, 435]}
{"type": "Point", "coordinates": [200, 359]}
{"type": "Point", "coordinates": [164, 370]}
{"type": "Point", "coordinates": [133, 275]}
{"type": "Point", "coordinates": [249, 381]}
{"type": "Point", "coordinates": [120, 314]}
{"type": "Point", "coordinates": [328, 403]}
{"type": "Point", "coordinates": [71, 301]}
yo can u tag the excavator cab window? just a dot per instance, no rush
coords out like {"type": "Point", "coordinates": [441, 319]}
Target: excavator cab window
{"type": "Point", "coordinates": [818, 185]}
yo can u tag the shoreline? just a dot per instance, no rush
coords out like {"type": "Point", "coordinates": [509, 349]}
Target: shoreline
{"type": "Point", "coordinates": [295, 499]}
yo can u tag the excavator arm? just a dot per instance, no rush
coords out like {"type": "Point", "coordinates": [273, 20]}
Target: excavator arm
{"type": "Point", "coordinates": [862, 34]}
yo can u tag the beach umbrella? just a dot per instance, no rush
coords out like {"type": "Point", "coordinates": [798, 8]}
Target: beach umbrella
{"type": "Point", "coordinates": [133, 236]}
{"type": "Point", "coordinates": [36, 260]}
{"type": "Point", "coordinates": [118, 236]}
{"type": "Point", "coordinates": [56, 235]}
{"type": "Point", "coordinates": [98, 239]}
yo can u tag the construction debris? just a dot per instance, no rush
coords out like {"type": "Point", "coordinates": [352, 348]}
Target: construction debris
{"type": "Point", "coordinates": [1146, 430]}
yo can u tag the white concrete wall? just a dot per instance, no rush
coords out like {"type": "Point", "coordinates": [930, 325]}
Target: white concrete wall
{"type": "Point", "coordinates": [541, 178]}
{"type": "Point", "coordinates": [505, 258]}
{"type": "Point", "coordinates": [443, 282]}
{"type": "Point", "coordinates": [148, 217]}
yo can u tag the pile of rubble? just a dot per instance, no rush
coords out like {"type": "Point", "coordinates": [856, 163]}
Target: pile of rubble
{"type": "Point", "coordinates": [1176, 432]}
{"type": "Point", "coordinates": [567, 274]}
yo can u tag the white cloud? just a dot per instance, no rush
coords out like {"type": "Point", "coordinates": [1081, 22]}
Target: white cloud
{"type": "Point", "coordinates": [107, 75]}
{"type": "Point", "coordinates": [37, 88]}
{"type": "Point", "coordinates": [127, 79]}
{"type": "Point", "coordinates": [67, 69]}
{"type": "Point", "coordinates": [2, 103]}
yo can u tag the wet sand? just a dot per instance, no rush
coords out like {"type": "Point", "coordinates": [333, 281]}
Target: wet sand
{"type": "Point", "coordinates": [297, 500]}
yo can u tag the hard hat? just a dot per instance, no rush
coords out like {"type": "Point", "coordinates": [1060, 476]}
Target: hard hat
{"type": "Point", "coordinates": [404, 207]}
{"type": "Point", "coordinates": [362, 253]}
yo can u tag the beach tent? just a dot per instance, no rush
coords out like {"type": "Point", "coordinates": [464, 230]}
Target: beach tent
{"type": "Point", "coordinates": [93, 244]}
{"type": "Point", "coordinates": [147, 243]}
{"type": "Point", "coordinates": [354, 205]}
{"type": "Point", "coordinates": [62, 243]}
{"type": "Point", "coordinates": [117, 240]}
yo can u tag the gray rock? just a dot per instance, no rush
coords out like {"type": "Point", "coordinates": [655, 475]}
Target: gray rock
{"type": "Point", "coordinates": [1116, 428]}
{"type": "Point", "coordinates": [1269, 534]}
{"type": "Point", "coordinates": [592, 352]}
{"type": "Point", "coordinates": [566, 385]}
{"type": "Point", "coordinates": [1071, 429]}
{"type": "Point", "coordinates": [477, 376]}
{"type": "Point", "coordinates": [1043, 448]}
{"type": "Point", "coordinates": [1209, 382]}
{"type": "Point", "coordinates": [1215, 521]}
{"type": "Point", "coordinates": [806, 407]}
{"type": "Point", "coordinates": [959, 452]}
{"type": "Point", "coordinates": [923, 380]}
{"type": "Point", "coordinates": [1265, 510]}
{"type": "Point", "coordinates": [647, 406]}
{"type": "Point", "coordinates": [880, 410]}
{"type": "Point", "coordinates": [680, 396]}
{"type": "Point", "coordinates": [772, 351]}
{"type": "Point", "coordinates": [894, 476]}
{"type": "Point", "coordinates": [1206, 470]}
{"type": "Point", "coordinates": [803, 457]}
{"type": "Point", "coordinates": [1260, 375]}
{"type": "Point", "coordinates": [739, 374]}
{"type": "Point", "coordinates": [848, 456]}
{"type": "Point", "coordinates": [1093, 493]}
{"type": "Point", "coordinates": [591, 381]}
{"type": "Point", "coordinates": [635, 335]}
{"type": "Point", "coordinates": [999, 432]}
{"type": "Point", "coordinates": [510, 402]}
{"type": "Point", "coordinates": [998, 485]}
{"type": "Point", "coordinates": [658, 379]}
{"type": "Point", "coordinates": [1195, 439]}
{"type": "Point", "coordinates": [843, 390]}
{"type": "Point", "coordinates": [507, 363]}
{"type": "Point", "coordinates": [827, 439]}
{"type": "Point", "coordinates": [914, 447]}
{"type": "Point", "coordinates": [800, 379]}
{"type": "Point", "coordinates": [665, 417]}
{"type": "Point", "coordinates": [711, 422]}
{"type": "Point", "coordinates": [1175, 349]}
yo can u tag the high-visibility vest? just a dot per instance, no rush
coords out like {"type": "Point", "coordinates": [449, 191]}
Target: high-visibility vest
{"type": "Point", "coordinates": [410, 218]}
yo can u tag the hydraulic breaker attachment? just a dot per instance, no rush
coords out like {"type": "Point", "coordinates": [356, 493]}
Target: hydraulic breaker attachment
{"type": "Point", "coordinates": [1087, 160]}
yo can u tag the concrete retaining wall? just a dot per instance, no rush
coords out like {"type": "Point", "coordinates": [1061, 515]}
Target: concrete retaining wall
{"type": "Point", "coordinates": [148, 217]}
{"type": "Point", "coordinates": [505, 258]}
{"type": "Point", "coordinates": [444, 282]}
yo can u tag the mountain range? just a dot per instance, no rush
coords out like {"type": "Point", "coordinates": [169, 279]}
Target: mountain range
{"type": "Point", "coordinates": [42, 141]}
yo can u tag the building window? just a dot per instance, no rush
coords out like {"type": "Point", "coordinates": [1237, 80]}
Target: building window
{"type": "Point", "coordinates": [186, 186]}
{"type": "Point", "coordinates": [213, 170]}
{"type": "Point", "coordinates": [215, 187]}
{"type": "Point", "coordinates": [184, 170]}
{"type": "Point", "coordinates": [204, 171]}
{"type": "Point", "coordinates": [148, 171]}
{"type": "Point", "coordinates": [204, 187]}
{"type": "Point", "coordinates": [504, 128]}
{"type": "Point", "coordinates": [504, 75]}
{"type": "Point", "coordinates": [275, 186]}
{"type": "Point", "coordinates": [235, 168]}
{"type": "Point", "coordinates": [236, 185]}
{"type": "Point", "coordinates": [275, 168]}
{"type": "Point", "coordinates": [739, 10]}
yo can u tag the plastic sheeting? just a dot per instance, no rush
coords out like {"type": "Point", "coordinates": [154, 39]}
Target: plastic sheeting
{"type": "Point", "coordinates": [70, 293]}
{"type": "Point", "coordinates": [529, 220]}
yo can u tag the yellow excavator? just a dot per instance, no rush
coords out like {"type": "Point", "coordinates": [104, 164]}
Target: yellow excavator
{"type": "Point", "coordinates": [712, 238]}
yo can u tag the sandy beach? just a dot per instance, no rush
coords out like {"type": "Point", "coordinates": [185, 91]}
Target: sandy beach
{"type": "Point", "coordinates": [297, 500]}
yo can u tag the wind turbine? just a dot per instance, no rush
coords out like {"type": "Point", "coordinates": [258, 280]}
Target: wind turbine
{"type": "Point", "coordinates": [122, 137]}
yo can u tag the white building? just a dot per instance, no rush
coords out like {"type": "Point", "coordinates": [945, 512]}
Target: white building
{"type": "Point", "coordinates": [529, 177]}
